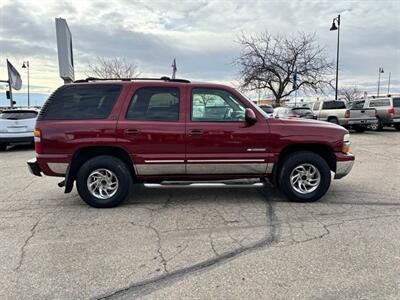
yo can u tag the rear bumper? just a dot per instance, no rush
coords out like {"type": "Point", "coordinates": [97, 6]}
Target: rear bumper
{"type": "Point", "coordinates": [19, 139]}
{"type": "Point", "coordinates": [361, 122]}
{"type": "Point", "coordinates": [344, 164]}
{"type": "Point", "coordinates": [34, 167]}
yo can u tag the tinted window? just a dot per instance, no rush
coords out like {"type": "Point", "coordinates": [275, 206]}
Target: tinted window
{"type": "Point", "coordinates": [155, 104]}
{"type": "Point", "coordinates": [379, 103]}
{"type": "Point", "coordinates": [77, 102]}
{"type": "Point", "coordinates": [13, 115]}
{"type": "Point", "coordinates": [212, 105]}
{"type": "Point", "coordinates": [333, 105]}
{"type": "Point", "coordinates": [396, 102]}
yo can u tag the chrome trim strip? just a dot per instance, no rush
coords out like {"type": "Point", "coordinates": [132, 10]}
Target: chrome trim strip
{"type": "Point", "coordinates": [343, 168]}
{"type": "Point", "coordinates": [224, 160]}
{"type": "Point", "coordinates": [226, 168]}
{"type": "Point", "coordinates": [256, 149]}
{"type": "Point", "coordinates": [156, 161]}
{"type": "Point", "coordinates": [270, 167]}
{"type": "Point", "coordinates": [160, 169]}
{"type": "Point", "coordinates": [59, 168]}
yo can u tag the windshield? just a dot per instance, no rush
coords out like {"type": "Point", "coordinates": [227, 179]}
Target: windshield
{"type": "Point", "coordinates": [257, 108]}
{"type": "Point", "coordinates": [267, 109]}
{"type": "Point", "coordinates": [20, 115]}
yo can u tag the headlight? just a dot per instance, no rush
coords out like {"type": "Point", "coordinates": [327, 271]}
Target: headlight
{"type": "Point", "coordinates": [346, 143]}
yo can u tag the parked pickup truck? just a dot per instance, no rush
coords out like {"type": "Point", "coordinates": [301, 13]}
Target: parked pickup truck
{"type": "Point", "coordinates": [387, 111]}
{"type": "Point", "coordinates": [106, 135]}
{"type": "Point", "coordinates": [355, 117]}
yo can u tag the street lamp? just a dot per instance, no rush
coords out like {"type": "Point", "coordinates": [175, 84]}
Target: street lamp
{"type": "Point", "coordinates": [25, 65]}
{"type": "Point", "coordinates": [379, 78]}
{"type": "Point", "coordinates": [333, 28]}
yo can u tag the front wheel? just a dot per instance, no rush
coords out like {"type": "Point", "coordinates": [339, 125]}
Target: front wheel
{"type": "Point", "coordinates": [304, 177]}
{"type": "Point", "coordinates": [104, 181]}
{"type": "Point", "coordinates": [3, 147]}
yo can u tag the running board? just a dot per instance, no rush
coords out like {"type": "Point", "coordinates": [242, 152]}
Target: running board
{"type": "Point", "coordinates": [237, 183]}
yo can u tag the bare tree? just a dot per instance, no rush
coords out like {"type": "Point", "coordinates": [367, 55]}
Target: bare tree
{"type": "Point", "coordinates": [350, 93]}
{"type": "Point", "coordinates": [116, 67]}
{"type": "Point", "coordinates": [269, 62]}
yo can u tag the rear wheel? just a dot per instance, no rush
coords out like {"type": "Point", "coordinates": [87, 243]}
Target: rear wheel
{"type": "Point", "coordinates": [379, 125]}
{"type": "Point", "coordinates": [397, 126]}
{"type": "Point", "coordinates": [304, 177]}
{"type": "Point", "coordinates": [3, 147]}
{"type": "Point", "coordinates": [104, 181]}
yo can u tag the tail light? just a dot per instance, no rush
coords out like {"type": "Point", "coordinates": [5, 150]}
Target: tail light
{"type": "Point", "coordinates": [347, 113]}
{"type": "Point", "coordinates": [38, 140]}
{"type": "Point", "coordinates": [391, 112]}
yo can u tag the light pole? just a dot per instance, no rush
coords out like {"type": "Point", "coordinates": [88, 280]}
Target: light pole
{"type": "Point", "coordinates": [25, 65]}
{"type": "Point", "coordinates": [379, 78]}
{"type": "Point", "coordinates": [390, 73]}
{"type": "Point", "coordinates": [333, 28]}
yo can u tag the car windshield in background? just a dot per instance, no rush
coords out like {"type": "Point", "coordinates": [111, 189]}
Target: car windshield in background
{"type": "Point", "coordinates": [267, 109]}
{"type": "Point", "coordinates": [20, 115]}
{"type": "Point", "coordinates": [302, 111]}
{"type": "Point", "coordinates": [396, 102]}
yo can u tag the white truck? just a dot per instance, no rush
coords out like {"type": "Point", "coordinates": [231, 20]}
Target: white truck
{"type": "Point", "coordinates": [353, 116]}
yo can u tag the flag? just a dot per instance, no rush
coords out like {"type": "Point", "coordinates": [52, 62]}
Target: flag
{"type": "Point", "coordinates": [174, 69]}
{"type": "Point", "coordinates": [295, 79]}
{"type": "Point", "coordinates": [13, 77]}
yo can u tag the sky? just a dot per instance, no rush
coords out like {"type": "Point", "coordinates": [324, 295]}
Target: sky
{"type": "Point", "coordinates": [201, 35]}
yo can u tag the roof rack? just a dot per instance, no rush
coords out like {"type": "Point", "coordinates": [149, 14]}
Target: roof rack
{"type": "Point", "coordinates": [164, 78]}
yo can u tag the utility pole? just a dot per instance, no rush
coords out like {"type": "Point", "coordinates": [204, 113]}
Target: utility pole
{"type": "Point", "coordinates": [390, 73]}
{"type": "Point", "coordinates": [379, 78]}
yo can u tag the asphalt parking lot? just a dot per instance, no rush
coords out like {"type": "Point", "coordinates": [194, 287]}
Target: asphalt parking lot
{"type": "Point", "coordinates": [205, 242]}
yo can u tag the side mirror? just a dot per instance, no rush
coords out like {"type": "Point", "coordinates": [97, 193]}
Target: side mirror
{"type": "Point", "coordinates": [250, 116]}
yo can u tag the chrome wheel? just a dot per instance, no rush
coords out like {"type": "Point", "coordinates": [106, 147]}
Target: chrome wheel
{"type": "Point", "coordinates": [102, 183]}
{"type": "Point", "coordinates": [305, 178]}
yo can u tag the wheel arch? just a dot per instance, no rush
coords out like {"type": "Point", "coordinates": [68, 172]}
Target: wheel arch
{"type": "Point", "coordinates": [83, 154]}
{"type": "Point", "coordinates": [322, 150]}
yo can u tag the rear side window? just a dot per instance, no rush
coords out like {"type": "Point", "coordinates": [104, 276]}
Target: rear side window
{"type": "Point", "coordinates": [81, 102]}
{"type": "Point", "coordinates": [396, 102]}
{"type": "Point", "coordinates": [334, 105]}
{"type": "Point", "coordinates": [357, 105]}
{"type": "Point", "coordinates": [379, 103]}
{"type": "Point", "coordinates": [155, 104]}
{"type": "Point", "coordinates": [9, 115]}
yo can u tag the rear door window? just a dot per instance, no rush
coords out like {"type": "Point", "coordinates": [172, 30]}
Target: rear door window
{"type": "Point", "coordinates": [155, 104]}
{"type": "Point", "coordinates": [81, 102]}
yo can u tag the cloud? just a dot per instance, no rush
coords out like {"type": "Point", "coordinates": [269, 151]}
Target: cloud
{"type": "Point", "coordinates": [199, 34]}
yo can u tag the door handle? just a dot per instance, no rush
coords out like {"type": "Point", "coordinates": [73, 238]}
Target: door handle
{"type": "Point", "coordinates": [196, 132]}
{"type": "Point", "coordinates": [132, 131]}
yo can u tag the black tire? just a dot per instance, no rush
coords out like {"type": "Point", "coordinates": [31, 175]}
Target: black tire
{"type": "Point", "coordinates": [359, 129]}
{"type": "Point", "coordinates": [296, 159]}
{"type": "Point", "coordinates": [3, 147]}
{"type": "Point", "coordinates": [380, 125]}
{"type": "Point", "coordinates": [333, 120]}
{"type": "Point", "coordinates": [112, 164]}
{"type": "Point", "coordinates": [397, 126]}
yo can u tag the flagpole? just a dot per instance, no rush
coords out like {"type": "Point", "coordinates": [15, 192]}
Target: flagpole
{"type": "Point", "coordinates": [10, 87]}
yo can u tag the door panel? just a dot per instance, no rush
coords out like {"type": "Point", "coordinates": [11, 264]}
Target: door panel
{"type": "Point", "coordinates": [224, 147]}
{"type": "Point", "coordinates": [152, 129]}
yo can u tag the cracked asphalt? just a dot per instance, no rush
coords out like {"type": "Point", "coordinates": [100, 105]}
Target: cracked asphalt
{"type": "Point", "coordinates": [203, 242]}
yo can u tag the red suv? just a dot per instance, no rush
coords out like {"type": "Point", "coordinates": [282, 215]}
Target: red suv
{"type": "Point", "coordinates": [108, 134]}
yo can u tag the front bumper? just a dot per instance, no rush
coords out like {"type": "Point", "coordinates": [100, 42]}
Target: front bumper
{"type": "Point", "coordinates": [34, 167]}
{"type": "Point", "coordinates": [344, 164]}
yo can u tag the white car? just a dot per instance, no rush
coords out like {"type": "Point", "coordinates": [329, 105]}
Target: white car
{"type": "Point", "coordinates": [17, 126]}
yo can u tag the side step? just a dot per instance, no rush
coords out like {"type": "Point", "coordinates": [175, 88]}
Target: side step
{"type": "Point", "coordinates": [253, 182]}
